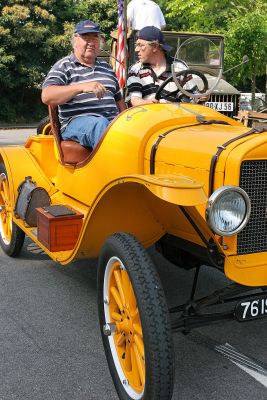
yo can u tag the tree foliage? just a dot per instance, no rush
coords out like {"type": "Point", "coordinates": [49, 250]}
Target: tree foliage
{"type": "Point", "coordinates": [247, 35]}
{"type": "Point", "coordinates": [243, 23]}
{"type": "Point", "coordinates": [198, 15]}
{"type": "Point", "coordinates": [34, 34]}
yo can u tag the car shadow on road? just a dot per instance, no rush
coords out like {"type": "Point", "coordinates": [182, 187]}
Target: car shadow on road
{"type": "Point", "coordinates": [83, 270]}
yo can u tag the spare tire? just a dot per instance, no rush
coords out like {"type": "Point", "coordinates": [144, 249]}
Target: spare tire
{"type": "Point", "coordinates": [44, 127]}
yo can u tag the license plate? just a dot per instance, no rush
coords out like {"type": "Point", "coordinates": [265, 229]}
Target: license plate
{"type": "Point", "coordinates": [220, 106]}
{"type": "Point", "coordinates": [251, 309]}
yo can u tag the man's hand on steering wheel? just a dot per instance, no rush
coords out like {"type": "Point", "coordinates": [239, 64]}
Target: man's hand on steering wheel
{"type": "Point", "coordinates": [184, 74]}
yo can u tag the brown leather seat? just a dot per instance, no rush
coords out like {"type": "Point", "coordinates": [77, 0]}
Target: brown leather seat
{"type": "Point", "coordinates": [73, 152]}
{"type": "Point", "coordinates": [70, 152]}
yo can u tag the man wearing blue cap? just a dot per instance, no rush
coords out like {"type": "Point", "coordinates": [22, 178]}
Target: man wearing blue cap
{"type": "Point", "coordinates": [153, 68]}
{"type": "Point", "coordinates": [84, 88]}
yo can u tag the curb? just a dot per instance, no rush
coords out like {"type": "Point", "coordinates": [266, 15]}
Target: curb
{"type": "Point", "coordinates": [12, 126]}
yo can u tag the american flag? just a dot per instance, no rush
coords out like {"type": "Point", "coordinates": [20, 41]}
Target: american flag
{"type": "Point", "coordinates": [120, 63]}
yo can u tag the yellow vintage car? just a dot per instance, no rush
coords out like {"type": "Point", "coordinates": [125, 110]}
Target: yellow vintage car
{"type": "Point", "coordinates": [179, 176]}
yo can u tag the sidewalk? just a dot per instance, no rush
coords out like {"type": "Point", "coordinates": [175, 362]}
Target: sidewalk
{"type": "Point", "coordinates": [15, 136]}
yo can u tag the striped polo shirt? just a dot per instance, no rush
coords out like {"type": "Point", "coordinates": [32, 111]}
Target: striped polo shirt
{"type": "Point", "coordinates": [143, 82]}
{"type": "Point", "coordinates": [69, 71]}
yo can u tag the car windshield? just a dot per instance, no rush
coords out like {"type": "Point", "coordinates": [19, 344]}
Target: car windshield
{"type": "Point", "coordinates": [197, 50]}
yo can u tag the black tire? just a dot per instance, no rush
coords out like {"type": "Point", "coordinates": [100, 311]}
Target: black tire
{"type": "Point", "coordinates": [11, 236]}
{"type": "Point", "coordinates": [44, 127]}
{"type": "Point", "coordinates": [123, 255]}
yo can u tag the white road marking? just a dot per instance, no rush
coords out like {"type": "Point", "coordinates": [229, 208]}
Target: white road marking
{"type": "Point", "coordinates": [259, 377]}
{"type": "Point", "coordinates": [247, 364]}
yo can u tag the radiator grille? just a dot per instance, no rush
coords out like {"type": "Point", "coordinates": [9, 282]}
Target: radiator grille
{"type": "Point", "coordinates": [234, 98]}
{"type": "Point", "coordinates": [253, 179]}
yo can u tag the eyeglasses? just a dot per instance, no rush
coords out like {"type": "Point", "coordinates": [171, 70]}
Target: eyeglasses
{"type": "Point", "coordinates": [141, 46]}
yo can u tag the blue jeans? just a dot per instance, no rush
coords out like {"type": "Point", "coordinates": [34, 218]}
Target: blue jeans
{"type": "Point", "coordinates": [86, 129]}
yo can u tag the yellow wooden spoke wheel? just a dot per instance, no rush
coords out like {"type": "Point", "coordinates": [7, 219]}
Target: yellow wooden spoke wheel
{"type": "Point", "coordinates": [5, 210]}
{"type": "Point", "coordinates": [11, 236]}
{"type": "Point", "coordinates": [134, 320]}
{"type": "Point", "coordinates": [122, 311]}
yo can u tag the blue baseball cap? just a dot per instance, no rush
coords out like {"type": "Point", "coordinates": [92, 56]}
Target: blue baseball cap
{"type": "Point", "coordinates": [151, 33]}
{"type": "Point", "coordinates": [87, 27]}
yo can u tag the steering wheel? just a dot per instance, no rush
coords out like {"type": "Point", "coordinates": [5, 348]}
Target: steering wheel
{"type": "Point", "coordinates": [174, 78]}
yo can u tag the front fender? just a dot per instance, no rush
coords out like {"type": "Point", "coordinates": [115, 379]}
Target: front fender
{"type": "Point", "coordinates": [176, 189]}
{"type": "Point", "coordinates": [129, 203]}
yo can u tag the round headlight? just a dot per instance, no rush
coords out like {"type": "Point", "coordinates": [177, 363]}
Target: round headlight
{"type": "Point", "coordinates": [228, 210]}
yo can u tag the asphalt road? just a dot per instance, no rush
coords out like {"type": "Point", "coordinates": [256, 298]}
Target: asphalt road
{"type": "Point", "coordinates": [50, 343]}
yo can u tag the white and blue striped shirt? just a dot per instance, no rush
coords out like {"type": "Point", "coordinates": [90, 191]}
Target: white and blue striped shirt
{"type": "Point", "coordinates": [69, 71]}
